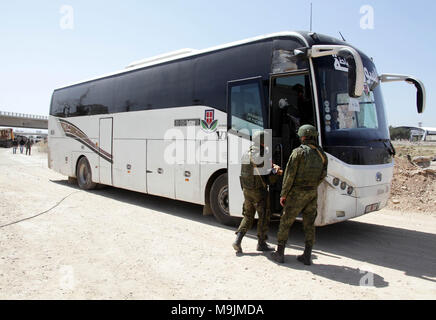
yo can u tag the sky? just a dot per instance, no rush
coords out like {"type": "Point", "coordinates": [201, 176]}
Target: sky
{"type": "Point", "coordinates": [47, 44]}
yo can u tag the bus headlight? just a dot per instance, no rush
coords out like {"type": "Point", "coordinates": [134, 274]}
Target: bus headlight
{"type": "Point", "coordinates": [350, 190]}
{"type": "Point", "coordinates": [343, 185]}
{"type": "Point", "coordinates": [336, 182]}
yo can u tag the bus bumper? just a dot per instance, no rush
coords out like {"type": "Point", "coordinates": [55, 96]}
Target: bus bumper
{"type": "Point", "coordinates": [336, 207]}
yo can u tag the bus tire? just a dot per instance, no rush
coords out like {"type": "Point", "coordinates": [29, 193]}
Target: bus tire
{"type": "Point", "coordinates": [84, 175]}
{"type": "Point", "coordinates": [219, 202]}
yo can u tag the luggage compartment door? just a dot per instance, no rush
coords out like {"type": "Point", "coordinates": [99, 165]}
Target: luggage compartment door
{"type": "Point", "coordinates": [160, 169]}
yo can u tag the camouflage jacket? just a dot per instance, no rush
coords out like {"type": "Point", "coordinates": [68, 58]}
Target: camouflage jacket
{"type": "Point", "coordinates": [254, 175]}
{"type": "Point", "coordinates": [307, 167]}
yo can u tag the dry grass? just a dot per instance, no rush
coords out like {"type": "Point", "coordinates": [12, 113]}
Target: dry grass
{"type": "Point", "coordinates": [414, 149]}
{"type": "Point", "coordinates": [413, 189]}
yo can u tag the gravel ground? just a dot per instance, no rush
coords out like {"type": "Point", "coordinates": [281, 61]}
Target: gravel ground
{"type": "Point", "coordinates": [117, 244]}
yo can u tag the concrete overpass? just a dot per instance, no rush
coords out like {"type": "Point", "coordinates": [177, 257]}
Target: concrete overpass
{"type": "Point", "coordinates": [20, 120]}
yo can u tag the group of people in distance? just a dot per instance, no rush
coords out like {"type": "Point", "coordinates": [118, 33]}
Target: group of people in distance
{"type": "Point", "coordinates": [22, 142]}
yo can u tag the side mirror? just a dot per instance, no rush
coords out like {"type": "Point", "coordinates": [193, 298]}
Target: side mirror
{"type": "Point", "coordinates": [420, 88]}
{"type": "Point", "coordinates": [356, 75]}
{"type": "Point", "coordinates": [420, 94]}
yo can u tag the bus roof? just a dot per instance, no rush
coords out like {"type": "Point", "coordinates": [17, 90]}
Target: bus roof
{"type": "Point", "coordinates": [185, 53]}
{"type": "Point", "coordinates": [307, 38]}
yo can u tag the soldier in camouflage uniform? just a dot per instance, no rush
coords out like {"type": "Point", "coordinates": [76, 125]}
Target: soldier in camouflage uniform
{"type": "Point", "coordinates": [254, 183]}
{"type": "Point", "coordinates": [306, 169]}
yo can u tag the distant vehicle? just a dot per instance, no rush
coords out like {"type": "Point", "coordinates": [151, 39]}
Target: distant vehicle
{"type": "Point", "coordinates": [423, 134]}
{"type": "Point", "coordinates": [38, 139]}
{"type": "Point", "coordinates": [34, 134]}
{"type": "Point", "coordinates": [6, 137]}
{"type": "Point", "coordinates": [113, 129]}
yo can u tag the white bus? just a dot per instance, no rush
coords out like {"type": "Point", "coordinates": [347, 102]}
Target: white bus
{"type": "Point", "coordinates": [120, 129]}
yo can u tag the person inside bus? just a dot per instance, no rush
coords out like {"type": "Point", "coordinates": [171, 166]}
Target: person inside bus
{"type": "Point", "coordinates": [291, 120]}
{"type": "Point", "coordinates": [334, 124]}
{"type": "Point", "coordinates": [304, 105]}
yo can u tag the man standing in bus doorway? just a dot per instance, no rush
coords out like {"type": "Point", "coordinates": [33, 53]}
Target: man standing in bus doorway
{"type": "Point", "coordinates": [255, 185]}
{"type": "Point", "coordinates": [307, 167]}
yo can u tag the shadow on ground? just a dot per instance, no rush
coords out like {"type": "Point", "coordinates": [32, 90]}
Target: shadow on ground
{"type": "Point", "coordinates": [411, 252]}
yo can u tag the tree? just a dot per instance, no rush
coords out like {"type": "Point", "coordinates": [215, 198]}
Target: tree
{"type": "Point", "coordinates": [400, 133]}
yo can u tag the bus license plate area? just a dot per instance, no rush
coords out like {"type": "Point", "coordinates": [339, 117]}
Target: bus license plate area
{"type": "Point", "coordinates": [372, 208]}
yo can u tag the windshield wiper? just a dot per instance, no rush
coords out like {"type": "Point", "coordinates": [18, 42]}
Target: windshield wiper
{"type": "Point", "coordinates": [380, 140]}
{"type": "Point", "coordinates": [389, 147]}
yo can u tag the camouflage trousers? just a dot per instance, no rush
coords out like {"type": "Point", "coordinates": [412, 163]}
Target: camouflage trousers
{"type": "Point", "coordinates": [255, 200]}
{"type": "Point", "coordinates": [303, 201]}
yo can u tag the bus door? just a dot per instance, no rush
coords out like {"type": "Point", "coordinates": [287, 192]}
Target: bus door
{"type": "Point", "coordinates": [105, 146]}
{"type": "Point", "coordinates": [246, 114]}
{"type": "Point", "coordinates": [290, 107]}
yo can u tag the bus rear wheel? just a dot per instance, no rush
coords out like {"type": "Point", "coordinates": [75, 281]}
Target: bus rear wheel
{"type": "Point", "coordinates": [84, 175]}
{"type": "Point", "coordinates": [219, 202]}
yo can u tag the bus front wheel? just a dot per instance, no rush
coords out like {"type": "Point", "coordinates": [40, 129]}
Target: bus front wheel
{"type": "Point", "coordinates": [219, 201]}
{"type": "Point", "coordinates": [84, 175]}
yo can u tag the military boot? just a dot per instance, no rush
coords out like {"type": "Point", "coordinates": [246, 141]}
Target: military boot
{"type": "Point", "coordinates": [279, 255]}
{"type": "Point", "coordinates": [263, 246]}
{"type": "Point", "coordinates": [305, 257]}
{"type": "Point", "coordinates": [237, 243]}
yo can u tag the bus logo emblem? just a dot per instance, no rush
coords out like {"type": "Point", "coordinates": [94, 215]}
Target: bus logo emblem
{"type": "Point", "coordinates": [209, 124]}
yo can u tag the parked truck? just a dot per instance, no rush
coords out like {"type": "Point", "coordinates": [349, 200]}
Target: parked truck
{"type": "Point", "coordinates": [6, 138]}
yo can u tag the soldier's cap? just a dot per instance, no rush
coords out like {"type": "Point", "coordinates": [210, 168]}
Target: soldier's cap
{"type": "Point", "coordinates": [307, 130]}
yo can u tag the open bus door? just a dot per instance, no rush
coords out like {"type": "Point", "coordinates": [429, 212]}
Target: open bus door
{"type": "Point", "coordinates": [246, 112]}
{"type": "Point", "coordinates": [291, 106]}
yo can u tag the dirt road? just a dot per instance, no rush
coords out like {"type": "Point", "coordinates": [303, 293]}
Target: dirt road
{"type": "Point", "coordinates": [116, 244]}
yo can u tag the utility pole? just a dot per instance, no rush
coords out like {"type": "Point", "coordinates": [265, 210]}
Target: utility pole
{"type": "Point", "coordinates": [311, 13]}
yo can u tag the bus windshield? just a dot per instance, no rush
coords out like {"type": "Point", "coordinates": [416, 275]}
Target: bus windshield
{"type": "Point", "coordinates": [353, 129]}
